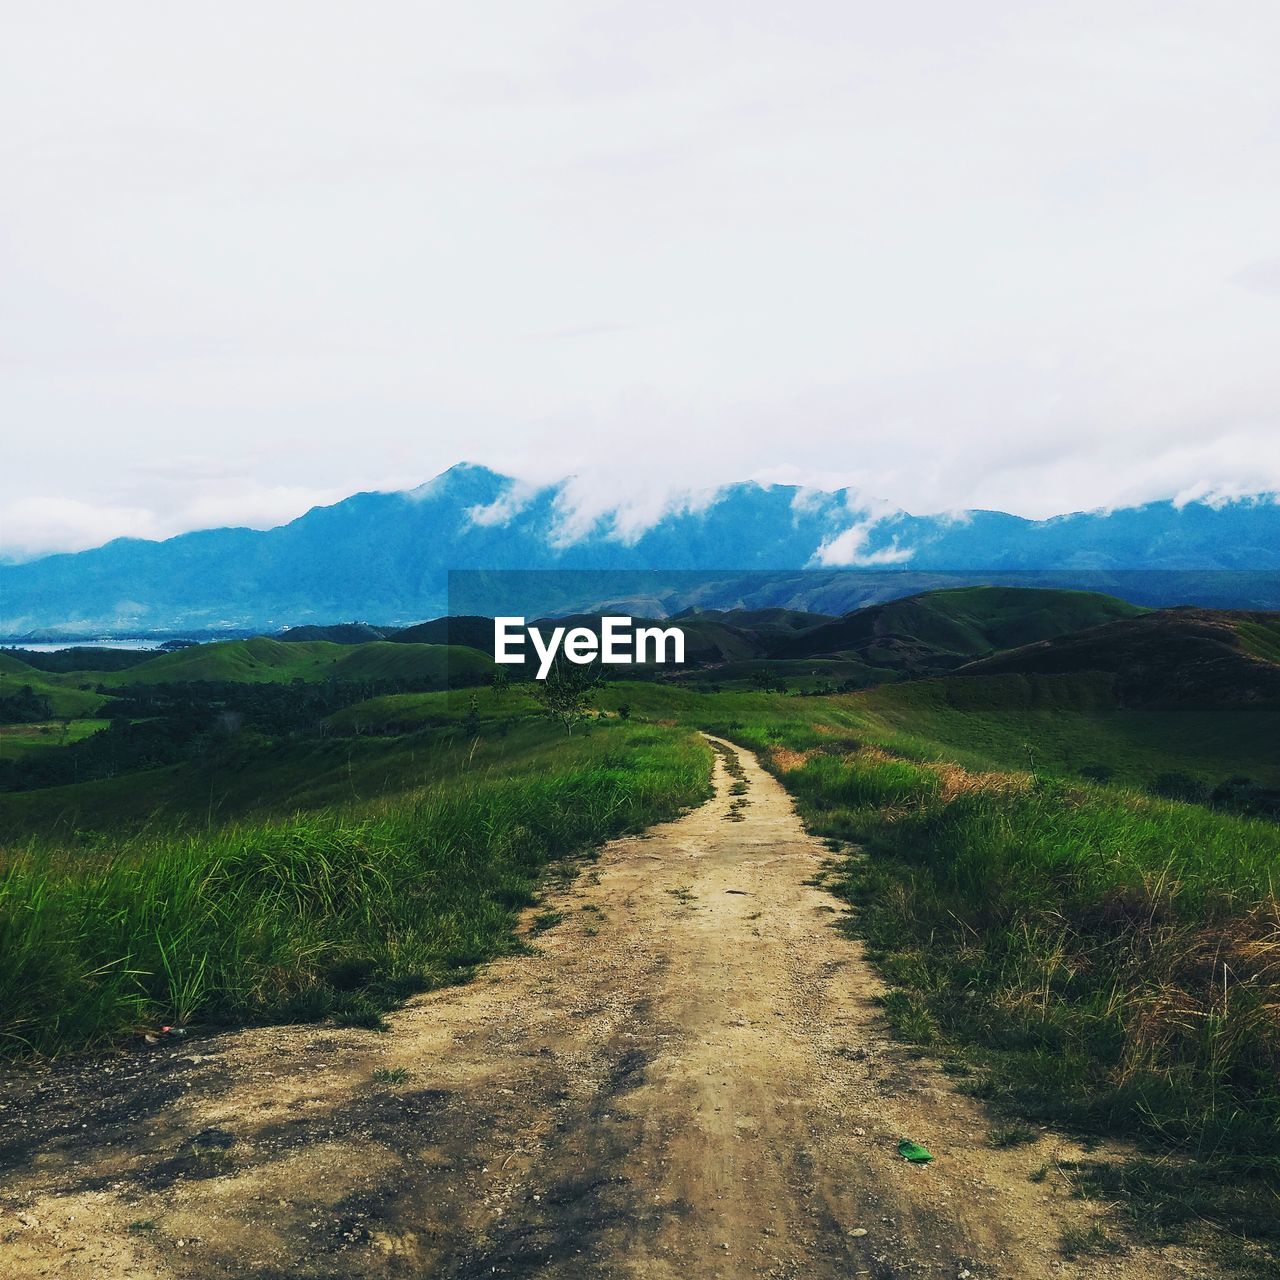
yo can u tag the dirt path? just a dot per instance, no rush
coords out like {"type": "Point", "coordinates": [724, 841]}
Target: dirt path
{"type": "Point", "coordinates": [690, 1079]}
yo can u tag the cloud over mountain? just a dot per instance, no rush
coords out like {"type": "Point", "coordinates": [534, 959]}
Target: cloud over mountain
{"type": "Point", "coordinates": [385, 556]}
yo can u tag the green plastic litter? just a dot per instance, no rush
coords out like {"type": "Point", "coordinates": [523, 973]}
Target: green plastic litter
{"type": "Point", "coordinates": [914, 1152]}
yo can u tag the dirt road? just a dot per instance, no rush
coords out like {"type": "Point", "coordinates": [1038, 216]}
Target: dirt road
{"type": "Point", "coordinates": [690, 1079]}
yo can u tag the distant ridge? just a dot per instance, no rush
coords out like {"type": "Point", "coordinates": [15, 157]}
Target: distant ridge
{"type": "Point", "coordinates": [1174, 657]}
{"type": "Point", "coordinates": [385, 556]}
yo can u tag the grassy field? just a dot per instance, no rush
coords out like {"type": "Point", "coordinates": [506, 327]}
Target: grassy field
{"type": "Point", "coordinates": [341, 912]}
{"type": "Point", "coordinates": [263, 660]}
{"type": "Point", "coordinates": [1068, 722]}
{"type": "Point", "coordinates": [20, 739]}
{"type": "Point", "coordinates": [250, 778]}
{"type": "Point", "coordinates": [71, 697]}
{"type": "Point", "coordinates": [1262, 639]}
{"type": "Point", "coordinates": [1071, 722]}
{"type": "Point", "coordinates": [1086, 956]}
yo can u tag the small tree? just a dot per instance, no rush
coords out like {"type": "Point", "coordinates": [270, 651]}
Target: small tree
{"type": "Point", "coordinates": [567, 691]}
{"type": "Point", "coordinates": [499, 683]}
{"type": "Point", "coordinates": [472, 722]}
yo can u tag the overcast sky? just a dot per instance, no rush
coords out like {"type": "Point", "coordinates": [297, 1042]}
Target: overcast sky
{"type": "Point", "coordinates": [255, 256]}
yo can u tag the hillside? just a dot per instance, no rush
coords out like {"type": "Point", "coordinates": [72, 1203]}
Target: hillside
{"type": "Point", "coordinates": [465, 629]}
{"type": "Point", "coordinates": [67, 699]}
{"type": "Point", "coordinates": [1074, 725]}
{"type": "Point", "coordinates": [1174, 657]}
{"type": "Point", "coordinates": [945, 628]}
{"type": "Point", "coordinates": [59, 661]}
{"type": "Point", "coordinates": [338, 633]}
{"type": "Point", "coordinates": [722, 635]}
{"type": "Point", "coordinates": [926, 633]}
{"type": "Point", "coordinates": [387, 555]}
{"type": "Point", "coordinates": [264, 660]}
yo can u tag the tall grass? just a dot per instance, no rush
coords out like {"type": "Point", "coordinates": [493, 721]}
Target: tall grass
{"type": "Point", "coordinates": [343, 913]}
{"type": "Point", "coordinates": [1097, 958]}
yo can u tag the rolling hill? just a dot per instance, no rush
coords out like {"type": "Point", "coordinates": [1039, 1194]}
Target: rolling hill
{"type": "Point", "coordinates": [265, 660]}
{"type": "Point", "coordinates": [466, 629]}
{"type": "Point", "coordinates": [1173, 657]}
{"type": "Point", "coordinates": [338, 633]}
{"type": "Point", "coordinates": [932, 632]}
{"type": "Point", "coordinates": [66, 698]}
{"type": "Point", "coordinates": [947, 628]}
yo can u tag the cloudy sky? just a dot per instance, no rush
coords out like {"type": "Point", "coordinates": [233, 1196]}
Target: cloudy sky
{"type": "Point", "coordinates": [259, 255]}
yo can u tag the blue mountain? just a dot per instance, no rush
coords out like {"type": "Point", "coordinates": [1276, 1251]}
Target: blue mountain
{"type": "Point", "coordinates": [385, 556]}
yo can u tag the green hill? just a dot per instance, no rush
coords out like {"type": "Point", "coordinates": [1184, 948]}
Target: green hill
{"type": "Point", "coordinates": [263, 660]}
{"type": "Point", "coordinates": [81, 658]}
{"type": "Point", "coordinates": [1260, 635]}
{"type": "Point", "coordinates": [1068, 723]}
{"type": "Point", "coordinates": [259, 659]}
{"type": "Point", "coordinates": [385, 660]}
{"type": "Point", "coordinates": [715, 636]}
{"type": "Point", "coordinates": [472, 630]}
{"type": "Point", "coordinates": [933, 632]}
{"type": "Point", "coordinates": [944, 628]}
{"type": "Point", "coordinates": [338, 633]}
{"type": "Point", "coordinates": [1175, 657]}
{"type": "Point", "coordinates": [67, 699]}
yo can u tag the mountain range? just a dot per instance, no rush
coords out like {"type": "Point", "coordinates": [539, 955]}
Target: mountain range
{"type": "Point", "coordinates": [386, 557]}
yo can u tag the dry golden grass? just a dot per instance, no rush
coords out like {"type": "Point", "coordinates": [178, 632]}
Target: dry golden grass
{"type": "Point", "coordinates": [958, 782]}
{"type": "Point", "coordinates": [784, 759]}
{"type": "Point", "coordinates": [955, 780]}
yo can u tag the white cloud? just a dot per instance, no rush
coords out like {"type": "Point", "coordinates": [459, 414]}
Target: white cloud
{"type": "Point", "coordinates": [845, 549]}
{"type": "Point", "coordinates": [39, 525]}
{"type": "Point", "coordinates": [504, 508]}
{"type": "Point", "coordinates": [33, 526]}
{"type": "Point", "coordinates": [1223, 496]}
{"type": "Point", "coordinates": [1014, 256]}
{"type": "Point", "coordinates": [600, 504]}
{"type": "Point", "coordinates": [1261, 277]}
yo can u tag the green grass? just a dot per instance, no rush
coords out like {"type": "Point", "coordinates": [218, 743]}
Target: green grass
{"type": "Point", "coordinates": [986, 722]}
{"type": "Point", "coordinates": [1099, 960]}
{"type": "Point", "coordinates": [247, 778]}
{"type": "Point", "coordinates": [340, 913]}
{"type": "Point", "coordinates": [1013, 1135]}
{"type": "Point", "coordinates": [399, 713]}
{"type": "Point", "coordinates": [263, 660]}
{"type": "Point", "coordinates": [1262, 639]}
{"type": "Point", "coordinates": [21, 739]}
{"type": "Point", "coordinates": [72, 696]}
{"type": "Point", "coordinates": [1072, 722]}
{"type": "Point", "coordinates": [1081, 1242]}
{"type": "Point", "coordinates": [545, 920]}
{"type": "Point", "coordinates": [1082, 956]}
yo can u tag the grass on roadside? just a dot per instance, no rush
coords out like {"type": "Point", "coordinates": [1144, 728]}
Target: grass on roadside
{"type": "Point", "coordinates": [1103, 961]}
{"type": "Point", "coordinates": [342, 913]}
